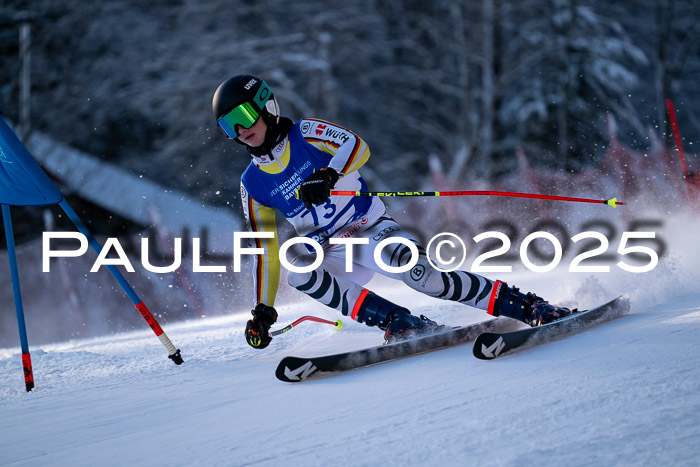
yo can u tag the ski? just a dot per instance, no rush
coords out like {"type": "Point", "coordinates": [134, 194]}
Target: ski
{"type": "Point", "coordinates": [490, 345]}
{"type": "Point", "coordinates": [296, 369]}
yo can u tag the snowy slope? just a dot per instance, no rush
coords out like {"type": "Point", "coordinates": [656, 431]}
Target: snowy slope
{"type": "Point", "coordinates": [624, 393]}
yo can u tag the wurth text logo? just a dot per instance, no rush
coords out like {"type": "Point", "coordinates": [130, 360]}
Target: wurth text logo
{"type": "Point", "coordinates": [337, 135]}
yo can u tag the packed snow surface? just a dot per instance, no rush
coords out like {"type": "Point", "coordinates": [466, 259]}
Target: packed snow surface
{"type": "Point", "coordinates": [626, 392]}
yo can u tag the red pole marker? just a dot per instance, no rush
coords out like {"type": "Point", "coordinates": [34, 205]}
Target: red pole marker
{"type": "Point", "coordinates": [28, 373]}
{"type": "Point", "coordinates": [677, 135]}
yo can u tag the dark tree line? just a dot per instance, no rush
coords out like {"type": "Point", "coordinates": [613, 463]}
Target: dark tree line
{"type": "Point", "coordinates": [468, 83]}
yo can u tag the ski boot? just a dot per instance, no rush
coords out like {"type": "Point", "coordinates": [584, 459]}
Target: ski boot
{"type": "Point", "coordinates": [402, 328]}
{"type": "Point", "coordinates": [528, 308]}
{"type": "Point", "coordinates": [396, 321]}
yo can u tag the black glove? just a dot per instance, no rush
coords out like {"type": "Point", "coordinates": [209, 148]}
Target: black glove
{"type": "Point", "coordinates": [317, 186]}
{"type": "Point", "coordinates": [257, 331]}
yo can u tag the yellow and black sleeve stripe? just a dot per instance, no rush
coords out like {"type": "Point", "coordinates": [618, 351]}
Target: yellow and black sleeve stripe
{"type": "Point", "coordinates": [266, 270]}
{"type": "Point", "coordinates": [348, 156]}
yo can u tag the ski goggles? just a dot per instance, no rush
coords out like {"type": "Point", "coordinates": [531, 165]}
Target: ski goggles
{"type": "Point", "coordinates": [244, 114]}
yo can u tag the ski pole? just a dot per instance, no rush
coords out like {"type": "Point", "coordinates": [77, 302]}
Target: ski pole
{"type": "Point", "coordinates": [337, 324]}
{"type": "Point", "coordinates": [610, 202]}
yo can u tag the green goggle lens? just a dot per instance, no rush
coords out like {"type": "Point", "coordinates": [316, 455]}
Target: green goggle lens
{"type": "Point", "coordinates": [244, 115]}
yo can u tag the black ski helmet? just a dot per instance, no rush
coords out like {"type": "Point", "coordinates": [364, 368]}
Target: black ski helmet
{"type": "Point", "coordinates": [248, 89]}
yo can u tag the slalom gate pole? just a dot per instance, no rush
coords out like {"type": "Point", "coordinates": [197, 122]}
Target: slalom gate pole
{"type": "Point", "coordinates": [610, 202]}
{"type": "Point", "coordinates": [14, 272]}
{"type": "Point", "coordinates": [337, 324]}
{"type": "Point", "coordinates": [677, 136]}
{"type": "Point", "coordinates": [173, 353]}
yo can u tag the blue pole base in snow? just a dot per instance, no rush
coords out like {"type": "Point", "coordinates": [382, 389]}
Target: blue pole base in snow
{"type": "Point", "coordinates": [19, 309]}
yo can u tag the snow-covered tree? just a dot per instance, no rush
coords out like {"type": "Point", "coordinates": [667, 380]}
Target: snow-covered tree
{"type": "Point", "coordinates": [566, 66]}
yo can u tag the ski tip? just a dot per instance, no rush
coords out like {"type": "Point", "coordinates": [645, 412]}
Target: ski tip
{"type": "Point", "coordinates": [488, 346]}
{"type": "Point", "coordinates": [624, 303]}
{"type": "Point", "coordinates": [295, 369]}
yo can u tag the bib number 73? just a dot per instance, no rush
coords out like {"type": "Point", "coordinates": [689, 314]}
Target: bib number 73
{"type": "Point", "coordinates": [329, 209]}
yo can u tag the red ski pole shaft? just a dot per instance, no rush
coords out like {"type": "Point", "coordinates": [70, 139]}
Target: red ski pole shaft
{"type": "Point", "coordinates": [337, 324]}
{"type": "Point", "coordinates": [613, 202]}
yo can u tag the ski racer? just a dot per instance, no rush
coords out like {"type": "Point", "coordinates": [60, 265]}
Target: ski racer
{"type": "Point", "coordinates": [314, 156]}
